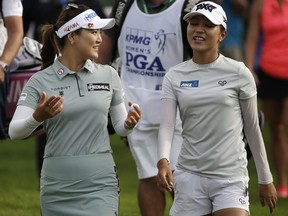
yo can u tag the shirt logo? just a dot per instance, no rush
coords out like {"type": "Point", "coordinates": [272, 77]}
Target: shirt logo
{"type": "Point", "coordinates": [23, 97]}
{"type": "Point", "coordinates": [60, 71]}
{"type": "Point", "coordinates": [98, 87]}
{"type": "Point", "coordinates": [222, 82]}
{"type": "Point", "coordinates": [242, 201]}
{"type": "Point", "coordinates": [160, 38]}
{"type": "Point", "coordinates": [191, 84]}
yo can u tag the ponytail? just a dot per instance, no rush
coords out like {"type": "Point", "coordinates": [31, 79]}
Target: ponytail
{"type": "Point", "coordinates": [50, 49]}
{"type": "Point", "coordinates": [52, 44]}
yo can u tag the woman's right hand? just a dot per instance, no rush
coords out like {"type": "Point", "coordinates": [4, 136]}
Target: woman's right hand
{"type": "Point", "coordinates": [48, 108]}
{"type": "Point", "coordinates": [165, 176]}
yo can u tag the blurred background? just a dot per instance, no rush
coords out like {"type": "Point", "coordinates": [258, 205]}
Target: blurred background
{"type": "Point", "coordinates": [20, 161]}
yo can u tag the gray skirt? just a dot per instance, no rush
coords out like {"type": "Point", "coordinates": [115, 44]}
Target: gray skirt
{"type": "Point", "coordinates": [79, 185]}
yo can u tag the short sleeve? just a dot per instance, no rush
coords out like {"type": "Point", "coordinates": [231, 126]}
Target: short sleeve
{"type": "Point", "coordinates": [31, 93]}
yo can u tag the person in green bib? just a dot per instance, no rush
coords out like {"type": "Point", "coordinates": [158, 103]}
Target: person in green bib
{"type": "Point", "coordinates": [72, 96]}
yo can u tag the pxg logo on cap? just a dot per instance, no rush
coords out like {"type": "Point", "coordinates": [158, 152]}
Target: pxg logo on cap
{"type": "Point", "coordinates": [211, 11]}
{"type": "Point", "coordinates": [205, 6]}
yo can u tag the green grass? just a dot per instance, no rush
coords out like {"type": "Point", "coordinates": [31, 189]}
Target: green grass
{"type": "Point", "coordinates": [19, 193]}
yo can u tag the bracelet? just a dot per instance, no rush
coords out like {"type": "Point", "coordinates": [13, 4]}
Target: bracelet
{"type": "Point", "coordinates": [4, 66]}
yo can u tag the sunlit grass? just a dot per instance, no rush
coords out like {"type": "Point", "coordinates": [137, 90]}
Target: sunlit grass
{"type": "Point", "coordinates": [19, 193]}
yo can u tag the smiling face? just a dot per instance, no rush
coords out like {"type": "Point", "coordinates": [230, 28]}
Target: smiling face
{"type": "Point", "coordinates": [87, 43]}
{"type": "Point", "coordinates": [204, 36]}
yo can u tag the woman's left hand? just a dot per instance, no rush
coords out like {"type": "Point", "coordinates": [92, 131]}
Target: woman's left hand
{"type": "Point", "coordinates": [133, 116]}
{"type": "Point", "coordinates": [268, 195]}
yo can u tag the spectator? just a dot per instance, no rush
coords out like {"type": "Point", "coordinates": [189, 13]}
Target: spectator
{"type": "Point", "coordinates": [270, 19]}
{"type": "Point", "coordinates": [11, 36]}
{"type": "Point", "coordinates": [72, 96]}
{"type": "Point", "coordinates": [210, 89]}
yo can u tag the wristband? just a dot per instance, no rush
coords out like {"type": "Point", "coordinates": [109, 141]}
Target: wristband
{"type": "Point", "coordinates": [4, 66]}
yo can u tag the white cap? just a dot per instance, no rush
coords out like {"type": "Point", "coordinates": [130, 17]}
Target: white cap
{"type": "Point", "coordinates": [211, 10]}
{"type": "Point", "coordinates": [88, 20]}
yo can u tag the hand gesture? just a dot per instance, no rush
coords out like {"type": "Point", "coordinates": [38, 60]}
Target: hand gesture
{"type": "Point", "coordinates": [133, 116]}
{"type": "Point", "coordinates": [48, 108]}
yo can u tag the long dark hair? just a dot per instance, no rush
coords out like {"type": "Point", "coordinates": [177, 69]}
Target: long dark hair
{"type": "Point", "coordinates": [52, 44]}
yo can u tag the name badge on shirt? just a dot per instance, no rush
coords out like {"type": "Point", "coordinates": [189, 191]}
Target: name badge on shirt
{"type": "Point", "coordinates": [191, 84]}
{"type": "Point", "coordinates": [98, 87]}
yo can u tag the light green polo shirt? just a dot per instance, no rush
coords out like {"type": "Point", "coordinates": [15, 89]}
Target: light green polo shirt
{"type": "Point", "coordinates": [81, 127]}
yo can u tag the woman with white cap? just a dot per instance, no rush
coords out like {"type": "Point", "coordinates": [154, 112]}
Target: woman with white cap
{"type": "Point", "coordinates": [72, 96]}
{"type": "Point", "coordinates": [217, 99]}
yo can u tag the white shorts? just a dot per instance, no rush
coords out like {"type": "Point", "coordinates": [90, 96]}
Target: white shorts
{"type": "Point", "coordinates": [143, 146]}
{"type": "Point", "coordinates": [196, 195]}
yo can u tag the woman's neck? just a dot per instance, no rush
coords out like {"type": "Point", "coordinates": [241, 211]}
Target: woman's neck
{"type": "Point", "coordinates": [73, 65]}
{"type": "Point", "coordinates": [204, 58]}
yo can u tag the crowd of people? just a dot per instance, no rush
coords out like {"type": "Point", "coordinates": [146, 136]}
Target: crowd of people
{"type": "Point", "coordinates": [166, 84]}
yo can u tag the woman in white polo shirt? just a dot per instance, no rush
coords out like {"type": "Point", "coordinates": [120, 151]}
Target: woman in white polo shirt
{"type": "Point", "coordinates": [217, 99]}
{"type": "Point", "coordinates": [72, 96]}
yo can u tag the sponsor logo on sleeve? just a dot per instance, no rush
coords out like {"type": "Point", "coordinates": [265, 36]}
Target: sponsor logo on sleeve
{"type": "Point", "coordinates": [23, 97]}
